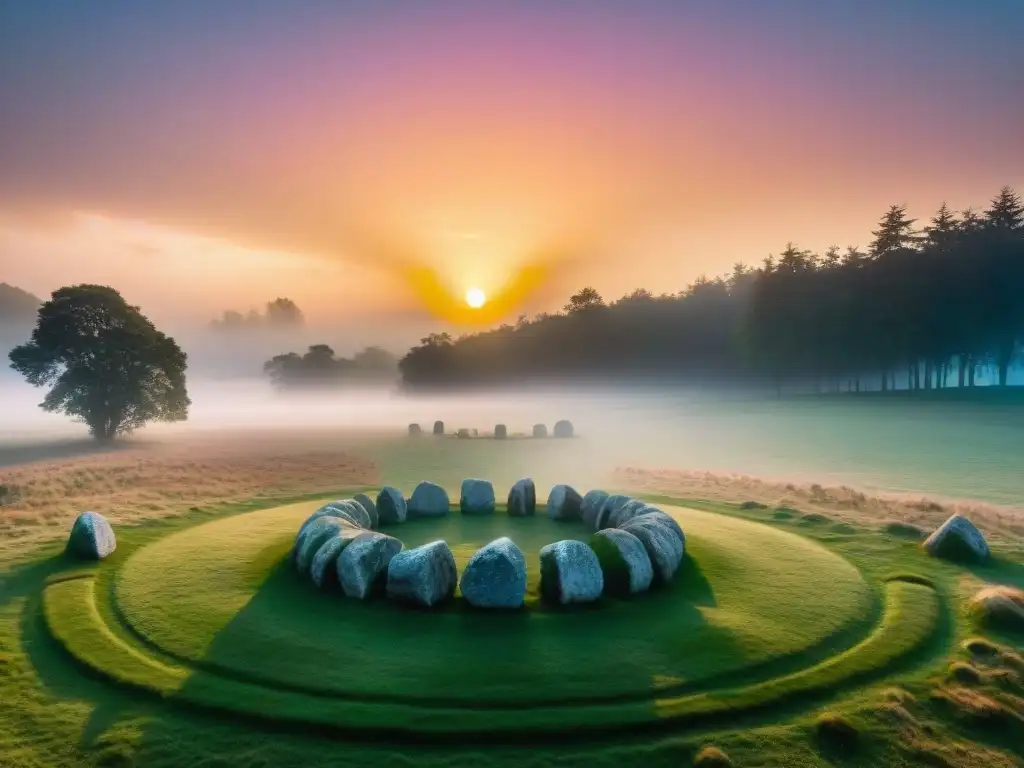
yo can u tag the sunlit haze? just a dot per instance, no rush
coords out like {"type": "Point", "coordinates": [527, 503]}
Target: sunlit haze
{"type": "Point", "coordinates": [364, 161]}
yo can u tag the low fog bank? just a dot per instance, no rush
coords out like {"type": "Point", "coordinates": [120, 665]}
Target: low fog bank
{"type": "Point", "coordinates": [934, 449]}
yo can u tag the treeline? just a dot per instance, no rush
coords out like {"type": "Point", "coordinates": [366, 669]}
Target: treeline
{"type": "Point", "coordinates": [922, 307]}
{"type": "Point", "coordinates": [280, 314]}
{"type": "Point", "coordinates": [319, 367]}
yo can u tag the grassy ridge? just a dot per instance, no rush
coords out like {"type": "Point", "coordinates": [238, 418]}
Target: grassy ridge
{"type": "Point", "coordinates": [743, 600]}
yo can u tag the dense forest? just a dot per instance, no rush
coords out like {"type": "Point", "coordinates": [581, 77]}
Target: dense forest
{"type": "Point", "coordinates": [922, 307]}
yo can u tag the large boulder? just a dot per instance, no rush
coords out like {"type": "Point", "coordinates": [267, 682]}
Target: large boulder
{"type": "Point", "coordinates": [563, 429]}
{"type": "Point", "coordinates": [91, 537]}
{"type": "Point", "coordinates": [591, 507]}
{"type": "Point", "coordinates": [316, 534]}
{"type": "Point", "coordinates": [371, 509]}
{"type": "Point", "coordinates": [570, 573]}
{"type": "Point", "coordinates": [522, 498]}
{"type": "Point", "coordinates": [428, 500]}
{"type": "Point", "coordinates": [624, 561]}
{"type": "Point", "coordinates": [438, 428]}
{"type": "Point", "coordinates": [564, 503]}
{"type": "Point", "coordinates": [609, 507]}
{"type": "Point", "coordinates": [356, 512]}
{"type": "Point", "coordinates": [415, 430]}
{"type": "Point", "coordinates": [337, 509]}
{"type": "Point", "coordinates": [500, 431]}
{"type": "Point", "coordinates": [477, 497]}
{"type": "Point", "coordinates": [391, 507]}
{"type": "Point", "coordinates": [664, 542]}
{"type": "Point", "coordinates": [495, 576]}
{"type": "Point", "coordinates": [957, 539]}
{"type": "Point", "coordinates": [463, 434]}
{"type": "Point", "coordinates": [540, 430]}
{"type": "Point", "coordinates": [363, 564]}
{"type": "Point", "coordinates": [425, 575]}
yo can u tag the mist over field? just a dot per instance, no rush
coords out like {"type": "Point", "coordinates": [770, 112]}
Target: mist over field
{"type": "Point", "coordinates": [939, 449]}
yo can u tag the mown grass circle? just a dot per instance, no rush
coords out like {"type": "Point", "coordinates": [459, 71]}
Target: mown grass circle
{"type": "Point", "coordinates": [224, 595]}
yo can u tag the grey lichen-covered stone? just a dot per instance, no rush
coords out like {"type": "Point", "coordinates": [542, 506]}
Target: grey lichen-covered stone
{"type": "Point", "coordinates": [624, 560]}
{"type": "Point", "coordinates": [425, 575]}
{"type": "Point", "coordinates": [629, 510]}
{"type": "Point", "coordinates": [356, 512]}
{"type": "Point", "coordinates": [324, 568]}
{"type": "Point", "coordinates": [91, 537]}
{"type": "Point", "coordinates": [563, 428]}
{"type": "Point", "coordinates": [564, 503]}
{"type": "Point", "coordinates": [540, 430]}
{"type": "Point", "coordinates": [957, 539]}
{"type": "Point", "coordinates": [428, 500]}
{"type": "Point", "coordinates": [477, 497]}
{"type": "Point", "coordinates": [463, 434]}
{"type": "Point", "coordinates": [438, 428]}
{"type": "Point", "coordinates": [415, 430]}
{"type": "Point", "coordinates": [522, 498]}
{"type": "Point", "coordinates": [316, 534]}
{"type": "Point", "coordinates": [591, 507]}
{"type": "Point", "coordinates": [663, 541]}
{"type": "Point", "coordinates": [391, 507]}
{"type": "Point", "coordinates": [495, 576]}
{"type": "Point", "coordinates": [570, 573]}
{"type": "Point", "coordinates": [500, 431]}
{"type": "Point", "coordinates": [608, 507]}
{"type": "Point", "coordinates": [364, 562]}
{"type": "Point", "coordinates": [331, 509]}
{"type": "Point", "coordinates": [371, 509]}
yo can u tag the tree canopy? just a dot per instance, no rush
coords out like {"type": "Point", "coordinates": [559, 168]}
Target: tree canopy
{"type": "Point", "coordinates": [915, 307]}
{"type": "Point", "coordinates": [319, 367]}
{"type": "Point", "coordinates": [106, 364]}
{"type": "Point", "coordinates": [279, 314]}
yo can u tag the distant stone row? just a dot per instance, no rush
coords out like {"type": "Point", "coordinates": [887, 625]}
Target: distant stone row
{"type": "Point", "coordinates": [634, 546]}
{"type": "Point", "coordinates": [562, 429]}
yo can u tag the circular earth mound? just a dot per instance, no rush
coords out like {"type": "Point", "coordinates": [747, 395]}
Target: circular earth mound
{"type": "Point", "coordinates": [748, 599]}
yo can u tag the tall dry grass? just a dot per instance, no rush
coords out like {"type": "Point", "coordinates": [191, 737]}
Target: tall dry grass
{"type": "Point", "coordinates": [39, 499]}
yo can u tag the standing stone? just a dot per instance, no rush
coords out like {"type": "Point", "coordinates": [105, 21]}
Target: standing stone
{"type": "Point", "coordinates": [957, 539]}
{"type": "Point", "coordinates": [355, 512]}
{"type": "Point", "coordinates": [425, 575]}
{"type": "Point", "coordinates": [591, 507]}
{"type": "Point", "coordinates": [477, 497]}
{"type": "Point", "coordinates": [316, 535]}
{"type": "Point", "coordinates": [563, 428]}
{"type": "Point", "coordinates": [438, 427]}
{"type": "Point", "coordinates": [429, 500]}
{"type": "Point", "coordinates": [522, 498]}
{"type": "Point", "coordinates": [414, 430]}
{"type": "Point", "coordinates": [629, 510]}
{"type": "Point", "coordinates": [364, 563]}
{"type": "Point", "coordinates": [570, 573]}
{"type": "Point", "coordinates": [91, 537]}
{"type": "Point", "coordinates": [463, 434]}
{"type": "Point", "coordinates": [371, 509]}
{"type": "Point", "coordinates": [564, 503]}
{"type": "Point", "coordinates": [391, 507]}
{"type": "Point", "coordinates": [610, 505]}
{"type": "Point", "coordinates": [500, 431]}
{"type": "Point", "coordinates": [540, 430]}
{"type": "Point", "coordinates": [323, 569]}
{"type": "Point", "coordinates": [624, 562]}
{"type": "Point", "coordinates": [495, 576]}
{"type": "Point", "coordinates": [662, 542]}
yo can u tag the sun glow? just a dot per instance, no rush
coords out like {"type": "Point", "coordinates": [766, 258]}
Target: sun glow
{"type": "Point", "coordinates": [475, 298]}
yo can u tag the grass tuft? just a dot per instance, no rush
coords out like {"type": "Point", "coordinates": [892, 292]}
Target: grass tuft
{"type": "Point", "coordinates": [712, 757]}
{"type": "Point", "coordinates": [1000, 607]}
{"type": "Point", "coordinates": [905, 531]}
{"type": "Point", "coordinates": [813, 518]}
{"type": "Point", "coordinates": [964, 673]}
{"type": "Point", "coordinates": [979, 646]}
{"type": "Point", "coordinates": [836, 732]}
{"type": "Point", "coordinates": [753, 505]}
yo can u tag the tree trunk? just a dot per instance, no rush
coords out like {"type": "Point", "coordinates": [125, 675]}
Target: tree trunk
{"type": "Point", "coordinates": [972, 368]}
{"type": "Point", "coordinates": [961, 362]}
{"type": "Point", "coordinates": [917, 375]}
{"type": "Point", "coordinates": [856, 383]}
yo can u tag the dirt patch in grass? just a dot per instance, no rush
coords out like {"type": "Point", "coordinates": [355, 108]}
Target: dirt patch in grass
{"type": "Point", "coordinates": [145, 480]}
{"type": "Point", "coordinates": [712, 757]}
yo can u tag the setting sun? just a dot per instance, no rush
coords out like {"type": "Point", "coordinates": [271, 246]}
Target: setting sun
{"type": "Point", "coordinates": [475, 298]}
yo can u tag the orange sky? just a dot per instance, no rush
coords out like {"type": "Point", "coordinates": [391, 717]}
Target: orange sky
{"type": "Point", "coordinates": [200, 162]}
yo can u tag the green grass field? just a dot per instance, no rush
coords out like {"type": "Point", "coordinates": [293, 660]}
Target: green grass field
{"type": "Point", "coordinates": [197, 644]}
